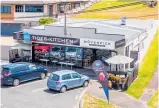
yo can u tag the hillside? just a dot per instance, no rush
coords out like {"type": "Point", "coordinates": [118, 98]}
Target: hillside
{"type": "Point", "coordinates": [128, 11]}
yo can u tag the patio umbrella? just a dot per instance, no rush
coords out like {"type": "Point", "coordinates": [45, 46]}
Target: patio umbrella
{"type": "Point", "coordinates": [119, 59]}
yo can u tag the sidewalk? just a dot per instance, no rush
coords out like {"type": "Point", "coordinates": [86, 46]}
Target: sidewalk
{"type": "Point", "coordinates": [151, 89]}
{"type": "Point", "coordinates": [118, 98]}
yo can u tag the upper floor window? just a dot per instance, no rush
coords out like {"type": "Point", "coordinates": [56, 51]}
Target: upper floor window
{"type": "Point", "coordinates": [5, 9]}
{"type": "Point", "coordinates": [19, 8]}
{"type": "Point", "coordinates": [29, 8]}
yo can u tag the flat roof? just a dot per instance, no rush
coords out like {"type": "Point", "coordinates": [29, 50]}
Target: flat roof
{"type": "Point", "coordinates": [107, 29]}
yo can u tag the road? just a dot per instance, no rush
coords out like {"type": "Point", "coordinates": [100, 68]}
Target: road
{"type": "Point", "coordinates": [35, 94]}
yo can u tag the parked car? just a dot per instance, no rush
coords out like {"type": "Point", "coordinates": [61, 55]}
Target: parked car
{"type": "Point", "coordinates": [66, 79]}
{"type": "Point", "coordinates": [15, 73]}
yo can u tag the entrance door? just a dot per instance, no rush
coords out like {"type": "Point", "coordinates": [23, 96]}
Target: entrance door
{"type": "Point", "coordinates": [50, 10]}
{"type": "Point", "coordinates": [134, 55]}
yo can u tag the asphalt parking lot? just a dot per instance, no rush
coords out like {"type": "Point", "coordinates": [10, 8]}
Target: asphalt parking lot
{"type": "Point", "coordinates": [35, 94]}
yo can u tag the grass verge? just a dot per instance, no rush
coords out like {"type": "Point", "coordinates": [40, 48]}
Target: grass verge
{"type": "Point", "coordinates": [130, 11]}
{"type": "Point", "coordinates": [146, 69]}
{"type": "Point", "coordinates": [89, 101]}
{"type": "Point", "coordinates": [154, 101]}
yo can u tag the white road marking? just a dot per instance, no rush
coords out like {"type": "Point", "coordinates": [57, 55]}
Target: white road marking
{"type": "Point", "coordinates": [29, 83]}
{"type": "Point", "coordinates": [39, 89]}
{"type": "Point", "coordinates": [76, 97]}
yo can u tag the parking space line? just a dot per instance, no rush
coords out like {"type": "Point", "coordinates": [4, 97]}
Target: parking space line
{"type": "Point", "coordinates": [39, 89]}
{"type": "Point", "coordinates": [29, 83]}
{"type": "Point", "coordinates": [76, 97]}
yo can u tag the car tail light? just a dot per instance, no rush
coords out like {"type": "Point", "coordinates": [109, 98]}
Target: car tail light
{"type": "Point", "coordinates": [7, 74]}
{"type": "Point", "coordinates": [57, 82]}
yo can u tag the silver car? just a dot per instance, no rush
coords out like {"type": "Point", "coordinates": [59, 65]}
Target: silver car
{"type": "Point", "coordinates": [66, 79]}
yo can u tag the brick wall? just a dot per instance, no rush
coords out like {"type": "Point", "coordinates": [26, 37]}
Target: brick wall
{"type": "Point", "coordinates": [8, 16]}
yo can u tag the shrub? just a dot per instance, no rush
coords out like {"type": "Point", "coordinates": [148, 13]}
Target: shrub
{"type": "Point", "coordinates": [45, 21]}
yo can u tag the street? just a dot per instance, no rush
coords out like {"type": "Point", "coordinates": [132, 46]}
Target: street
{"type": "Point", "coordinates": [35, 94]}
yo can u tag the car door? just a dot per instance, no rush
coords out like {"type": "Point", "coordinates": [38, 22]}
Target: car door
{"type": "Point", "coordinates": [34, 72]}
{"type": "Point", "coordinates": [22, 73]}
{"type": "Point", "coordinates": [67, 80]}
{"type": "Point", "coordinates": [76, 79]}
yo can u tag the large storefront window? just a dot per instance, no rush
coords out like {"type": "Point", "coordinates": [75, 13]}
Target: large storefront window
{"type": "Point", "coordinates": [58, 53]}
{"type": "Point", "coordinates": [81, 57]}
{"type": "Point", "coordinates": [67, 54]}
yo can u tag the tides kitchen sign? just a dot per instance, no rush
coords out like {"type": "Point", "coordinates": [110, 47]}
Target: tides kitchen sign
{"type": "Point", "coordinates": [95, 43]}
{"type": "Point", "coordinates": [55, 40]}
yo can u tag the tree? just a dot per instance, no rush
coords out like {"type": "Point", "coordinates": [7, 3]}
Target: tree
{"type": "Point", "coordinates": [45, 21]}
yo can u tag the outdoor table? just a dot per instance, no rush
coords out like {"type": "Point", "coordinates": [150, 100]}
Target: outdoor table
{"type": "Point", "coordinates": [27, 57]}
{"type": "Point", "coordinates": [44, 60]}
{"type": "Point", "coordinates": [71, 64]}
{"type": "Point", "coordinates": [54, 61]}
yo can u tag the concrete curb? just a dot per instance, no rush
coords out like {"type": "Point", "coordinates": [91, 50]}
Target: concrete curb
{"type": "Point", "coordinates": [79, 102]}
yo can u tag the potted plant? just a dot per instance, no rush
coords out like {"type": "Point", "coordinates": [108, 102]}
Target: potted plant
{"type": "Point", "coordinates": [117, 80]}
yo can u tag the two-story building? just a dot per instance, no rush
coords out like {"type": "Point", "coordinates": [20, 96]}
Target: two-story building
{"type": "Point", "coordinates": [13, 10]}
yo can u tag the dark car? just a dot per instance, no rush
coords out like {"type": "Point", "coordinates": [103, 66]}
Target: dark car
{"type": "Point", "coordinates": [15, 73]}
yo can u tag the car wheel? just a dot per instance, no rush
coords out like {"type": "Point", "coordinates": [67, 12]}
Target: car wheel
{"type": "Point", "coordinates": [85, 84]}
{"type": "Point", "coordinates": [42, 76]}
{"type": "Point", "coordinates": [16, 82]}
{"type": "Point", "coordinates": [63, 89]}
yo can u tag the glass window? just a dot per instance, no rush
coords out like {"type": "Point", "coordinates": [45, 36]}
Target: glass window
{"type": "Point", "coordinates": [66, 77]}
{"type": "Point", "coordinates": [75, 75]}
{"type": "Point", "coordinates": [5, 9]}
{"type": "Point", "coordinates": [54, 77]}
{"type": "Point", "coordinates": [19, 8]}
{"type": "Point", "coordinates": [29, 8]}
{"type": "Point", "coordinates": [32, 67]}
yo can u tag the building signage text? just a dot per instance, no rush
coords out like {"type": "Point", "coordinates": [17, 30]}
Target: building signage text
{"type": "Point", "coordinates": [95, 43]}
{"type": "Point", "coordinates": [56, 40]}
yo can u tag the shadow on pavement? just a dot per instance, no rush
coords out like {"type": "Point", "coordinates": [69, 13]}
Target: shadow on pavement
{"type": "Point", "coordinates": [57, 92]}
{"type": "Point", "coordinates": [51, 91]}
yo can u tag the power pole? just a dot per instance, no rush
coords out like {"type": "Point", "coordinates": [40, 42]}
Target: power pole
{"type": "Point", "coordinates": [65, 26]}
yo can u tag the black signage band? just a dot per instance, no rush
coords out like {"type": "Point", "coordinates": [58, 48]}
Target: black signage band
{"type": "Point", "coordinates": [120, 43]}
{"type": "Point", "coordinates": [56, 40]}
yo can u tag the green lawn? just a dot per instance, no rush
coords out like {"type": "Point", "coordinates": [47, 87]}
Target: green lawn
{"type": "Point", "coordinates": [153, 103]}
{"type": "Point", "coordinates": [146, 70]}
{"type": "Point", "coordinates": [105, 4]}
{"type": "Point", "coordinates": [89, 101]}
{"type": "Point", "coordinates": [130, 11]}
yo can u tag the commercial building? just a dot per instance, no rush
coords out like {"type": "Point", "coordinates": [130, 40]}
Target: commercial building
{"type": "Point", "coordinates": [17, 10]}
{"type": "Point", "coordinates": [86, 40]}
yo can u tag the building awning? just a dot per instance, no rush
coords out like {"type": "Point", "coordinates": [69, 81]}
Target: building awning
{"type": "Point", "coordinates": [22, 46]}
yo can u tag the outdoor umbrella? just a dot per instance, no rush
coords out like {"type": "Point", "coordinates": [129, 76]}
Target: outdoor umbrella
{"type": "Point", "coordinates": [119, 59]}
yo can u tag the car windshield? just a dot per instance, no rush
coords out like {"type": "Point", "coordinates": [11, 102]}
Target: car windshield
{"type": "Point", "coordinates": [54, 77]}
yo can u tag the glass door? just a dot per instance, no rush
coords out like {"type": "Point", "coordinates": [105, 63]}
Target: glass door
{"type": "Point", "coordinates": [50, 10]}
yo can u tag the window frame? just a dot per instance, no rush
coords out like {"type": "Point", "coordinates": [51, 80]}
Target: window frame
{"type": "Point", "coordinates": [2, 8]}
{"type": "Point", "coordinates": [20, 9]}
{"type": "Point", "coordinates": [31, 6]}
{"type": "Point", "coordinates": [65, 75]}
{"type": "Point", "coordinates": [32, 65]}
{"type": "Point", "coordinates": [76, 74]}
